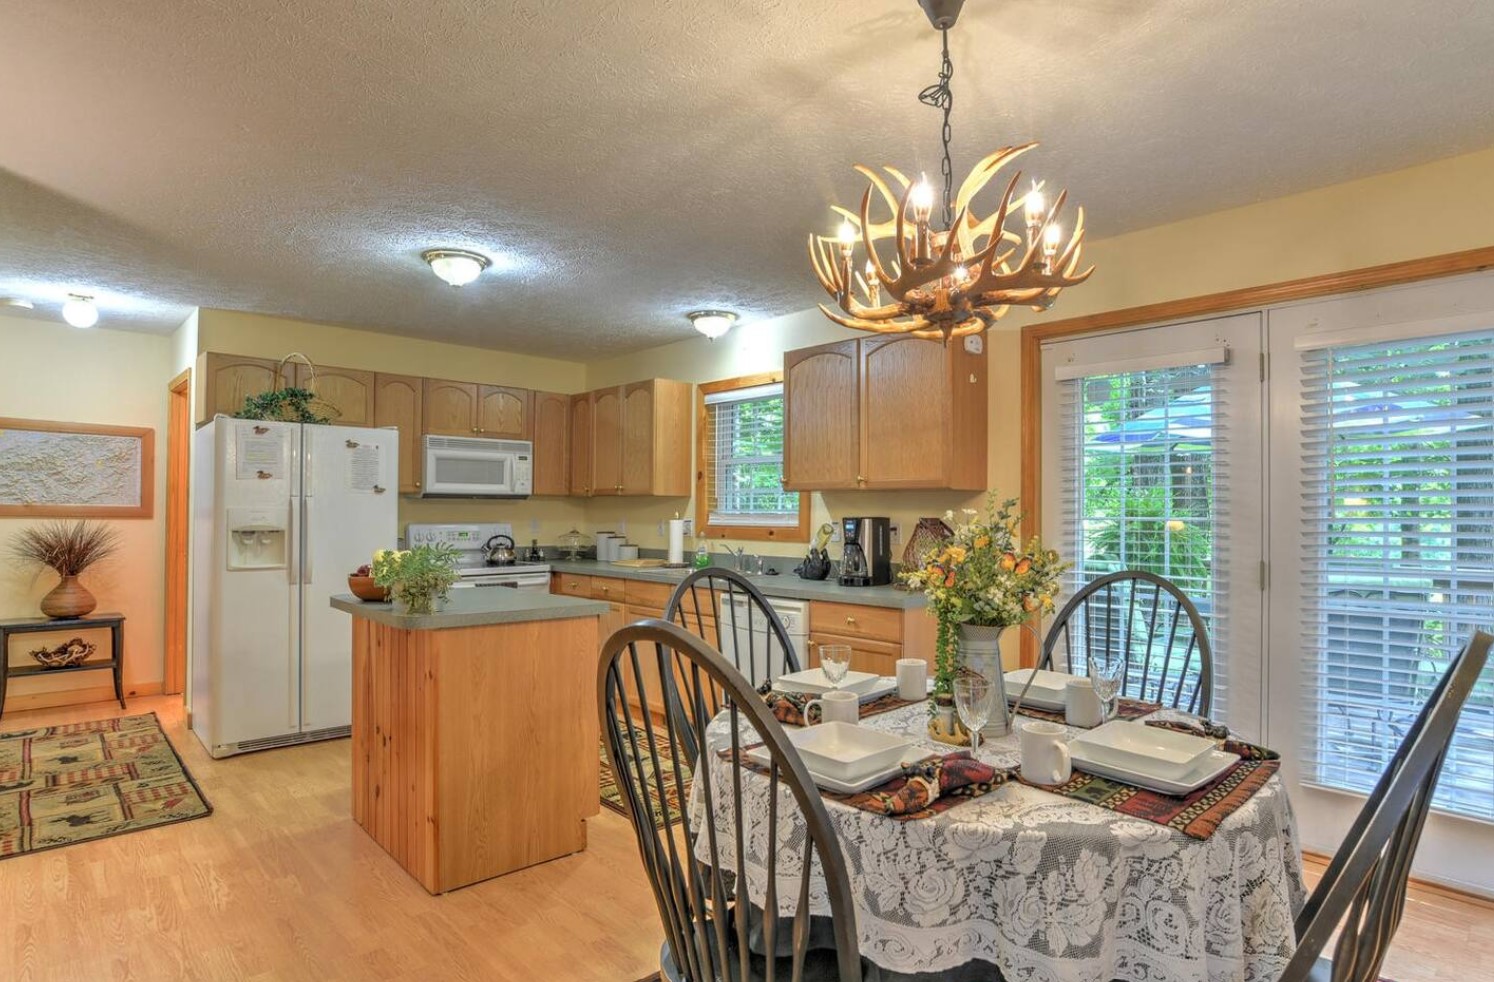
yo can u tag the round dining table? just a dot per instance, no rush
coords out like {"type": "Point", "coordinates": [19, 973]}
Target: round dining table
{"type": "Point", "coordinates": [1043, 887]}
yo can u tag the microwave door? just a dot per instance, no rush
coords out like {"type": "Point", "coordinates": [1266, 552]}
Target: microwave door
{"type": "Point", "coordinates": [451, 471]}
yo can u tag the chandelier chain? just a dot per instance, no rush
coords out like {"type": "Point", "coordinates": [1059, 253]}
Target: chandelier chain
{"type": "Point", "coordinates": [941, 96]}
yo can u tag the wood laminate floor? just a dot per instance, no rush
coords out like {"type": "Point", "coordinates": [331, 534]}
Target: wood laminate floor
{"type": "Point", "coordinates": [279, 884]}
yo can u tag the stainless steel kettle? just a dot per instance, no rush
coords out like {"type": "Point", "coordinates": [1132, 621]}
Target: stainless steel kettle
{"type": "Point", "coordinates": [499, 553]}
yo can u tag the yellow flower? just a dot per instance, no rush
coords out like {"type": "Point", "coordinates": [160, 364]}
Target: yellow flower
{"type": "Point", "coordinates": [956, 553]}
{"type": "Point", "coordinates": [982, 542]}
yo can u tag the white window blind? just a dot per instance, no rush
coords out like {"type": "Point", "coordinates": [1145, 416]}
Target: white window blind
{"type": "Point", "coordinates": [1398, 553]}
{"type": "Point", "coordinates": [744, 458]}
{"type": "Point", "coordinates": [1144, 468]}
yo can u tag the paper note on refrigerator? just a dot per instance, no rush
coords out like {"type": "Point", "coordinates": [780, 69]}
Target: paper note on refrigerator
{"type": "Point", "coordinates": [260, 452]}
{"type": "Point", "coordinates": [364, 466]}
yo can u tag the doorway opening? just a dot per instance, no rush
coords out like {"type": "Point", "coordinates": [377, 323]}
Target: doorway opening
{"type": "Point", "coordinates": [178, 518]}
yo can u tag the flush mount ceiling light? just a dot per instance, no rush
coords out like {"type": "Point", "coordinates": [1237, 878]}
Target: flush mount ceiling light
{"type": "Point", "coordinates": [18, 302]}
{"type": "Point", "coordinates": [79, 310]}
{"type": "Point", "coordinates": [956, 280]}
{"type": "Point", "coordinates": [456, 266]}
{"type": "Point", "coordinates": [712, 323]}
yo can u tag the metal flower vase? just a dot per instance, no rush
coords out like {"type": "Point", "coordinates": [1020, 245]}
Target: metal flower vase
{"type": "Point", "coordinates": [980, 651]}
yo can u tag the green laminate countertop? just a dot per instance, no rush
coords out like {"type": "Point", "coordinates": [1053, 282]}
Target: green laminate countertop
{"type": "Point", "coordinates": [476, 607]}
{"type": "Point", "coordinates": [785, 585]}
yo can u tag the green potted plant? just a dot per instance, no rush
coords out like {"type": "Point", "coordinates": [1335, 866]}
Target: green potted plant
{"type": "Point", "coordinates": [68, 548]}
{"type": "Point", "coordinates": [418, 579]}
{"type": "Point", "coordinates": [981, 581]}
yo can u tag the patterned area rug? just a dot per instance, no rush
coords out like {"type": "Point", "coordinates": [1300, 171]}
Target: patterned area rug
{"type": "Point", "coordinates": [612, 794]}
{"type": "Point", "coordinates": [65, 784]}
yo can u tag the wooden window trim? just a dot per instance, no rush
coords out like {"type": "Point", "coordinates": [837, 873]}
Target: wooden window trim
{"type": "Point", "coordinates": [1209, 304]}
{"type": "Point", "coordinates": [703, 526]}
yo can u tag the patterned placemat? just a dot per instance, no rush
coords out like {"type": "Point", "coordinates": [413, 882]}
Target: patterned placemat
{"type": "Point", "coordinates": [60, 785]}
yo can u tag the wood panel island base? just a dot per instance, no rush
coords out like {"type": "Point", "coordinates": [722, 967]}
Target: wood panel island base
{"type": "Point", "coordinates": [475, 732]}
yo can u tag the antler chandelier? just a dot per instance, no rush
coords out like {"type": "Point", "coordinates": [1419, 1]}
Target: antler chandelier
{"type": "Point", "coordinates": [961, 279]}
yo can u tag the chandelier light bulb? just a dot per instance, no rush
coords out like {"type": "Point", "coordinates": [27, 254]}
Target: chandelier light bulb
{"type": "Point", "coordinates": [961, 275]}
{"type": "Point", "coordinates": [456, 266]}
{"type": "Point", "coordinates": [1035, 205]}
{"type": "Point", "coordinates": [712, 323]}
{"type": "Point", "coordinates": [79, 311]}
{"type": "Point", "coordinates": [846, 236]}
{"type": "Point", "coordinates": [1052, 237]}
{"type": "Point", "coordinates": [922, 199]}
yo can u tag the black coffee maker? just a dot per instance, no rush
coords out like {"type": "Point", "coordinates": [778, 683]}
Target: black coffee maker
{"type": "Point", "coordinates": [866, 559]}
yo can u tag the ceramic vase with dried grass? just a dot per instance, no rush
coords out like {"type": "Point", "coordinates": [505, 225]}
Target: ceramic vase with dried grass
{"type": "Point", "coordinates": [67, 548]}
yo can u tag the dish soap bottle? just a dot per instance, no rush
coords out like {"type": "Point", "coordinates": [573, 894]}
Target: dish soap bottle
{"type": "Point", "coordinates": [702, 554]}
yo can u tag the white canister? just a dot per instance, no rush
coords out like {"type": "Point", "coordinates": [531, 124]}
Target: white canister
{"type": "Point", "coordinates": [1045, 755]}
{"type": "Point", "coordinates": [604, 545]}
{"type": "Point", "coordinates": [1081, 707]}
{"type": "Point", "coordinates": [627, 551]}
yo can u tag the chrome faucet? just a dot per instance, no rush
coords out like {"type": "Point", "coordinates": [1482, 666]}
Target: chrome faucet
{"type": "Point", "coordinates": [740, 561]}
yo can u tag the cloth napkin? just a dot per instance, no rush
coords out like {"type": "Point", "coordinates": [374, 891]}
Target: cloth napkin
{"type": "Point", "coordinates": [788, 707]}
{"type": "Point", "coordinates": [929, 787]}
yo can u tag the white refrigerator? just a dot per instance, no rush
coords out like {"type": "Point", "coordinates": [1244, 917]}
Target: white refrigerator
{"type": "Point", "coordinates": [282, 513]}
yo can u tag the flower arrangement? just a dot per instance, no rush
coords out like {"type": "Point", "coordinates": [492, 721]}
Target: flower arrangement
{"type": "Point", "coordinates": [417, 577]}
{"type": "Point", "coordinates": [68, 548]}
{"type": "Point", "coordinates": [983, 575]}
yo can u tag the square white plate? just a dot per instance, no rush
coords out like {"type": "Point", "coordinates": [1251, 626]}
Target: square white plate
{"type": "Point", "coordinates": [1205, 769]}
{"type": "Point", "coordinates": [760, 755]}
{"type": "Point", "coordinates": [813, 681]}
{"type": "Point", "coordinates": [1047, 690]}
{"type": "Point", "coordinates": [1139, 748]}
{"type": "Point", "coordinates": [846, 752]}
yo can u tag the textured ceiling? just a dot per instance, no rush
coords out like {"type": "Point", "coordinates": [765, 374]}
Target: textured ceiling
{"type": "Point", "coordinates": [628, 160]}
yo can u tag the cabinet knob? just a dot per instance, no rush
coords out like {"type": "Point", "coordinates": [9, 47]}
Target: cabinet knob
{"type": "Point", "coordinates": [417, 484]}
{"type": "Point", "coordinates": [851, 620]}
{"type": "Point", "coordinates": [860, 479]}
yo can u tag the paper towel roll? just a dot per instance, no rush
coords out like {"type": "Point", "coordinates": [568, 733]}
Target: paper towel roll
{"type": "Point", "coordinates": [676, 540]}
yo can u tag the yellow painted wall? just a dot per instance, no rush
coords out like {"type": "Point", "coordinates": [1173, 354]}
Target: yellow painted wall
{"type": "Point", "coordinates": [1435, 208]}
{"type": "Point", "coordinates": [238, 333]}
{"type": "Point", "coordinates": [51, 371]}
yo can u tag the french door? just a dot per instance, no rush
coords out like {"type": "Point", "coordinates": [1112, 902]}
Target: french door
{"type": "Point", "coordinates": [1382, 552]}
{"type": "Point", "coordinates": [1152, 460]}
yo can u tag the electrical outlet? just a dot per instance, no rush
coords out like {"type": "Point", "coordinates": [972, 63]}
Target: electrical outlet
{"type": "Point", "coordinates": [622, 528]}
{"type": "Point", "coordinates": [660, 530]}
{"type": "Point", "coordinates": [835, 532]}
{"type": "Point", "coordinates": [895, 532]}
{"type": "Point", "coordinates": [534, 527]}
{"type": "Point", "coordinates": [689, 526]}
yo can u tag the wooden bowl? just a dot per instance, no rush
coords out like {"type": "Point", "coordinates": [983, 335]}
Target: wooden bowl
{"type": "Point", "coordinates": [364, 588]}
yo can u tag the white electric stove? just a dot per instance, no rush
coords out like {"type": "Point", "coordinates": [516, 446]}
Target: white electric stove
{"type": "Point", "coordinates": [470, 541]}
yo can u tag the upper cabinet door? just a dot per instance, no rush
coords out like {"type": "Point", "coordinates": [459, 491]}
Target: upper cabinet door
{"type": "Point", "coordinates": [581, 444]}
{"type": "Point", "coordinates": [638, 438]}
{"type": "Point", "coordinates": [607, 441]}
{"type": "Point", "coordinates": [905, 405]}
{"type": "Point", "coordinates": [552, 433]}
{"type": "Point", "coordinates": [227, 380]}
{"type": "Point", "coordinates": [347, 390]}
{"type": "Point", "coordinates": [450, 408]}
{"type": "Point", "coordinates": [503, 412]}
{"type": "Point", "coordinates": [397, 404]}
{"type": "Point", "coordinates": [821, 411]}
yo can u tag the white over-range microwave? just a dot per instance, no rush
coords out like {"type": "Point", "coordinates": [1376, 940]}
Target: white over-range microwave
{"type": "Point", "coordinates": [474, 467]}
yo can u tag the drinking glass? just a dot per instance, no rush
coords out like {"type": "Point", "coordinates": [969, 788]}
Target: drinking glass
{"type": "Point", "coordinates": [835, 660]}
{"type": "Point", "coordinates": [1106, 669]}
{"type": "Point", "coordinates": [973, 696]}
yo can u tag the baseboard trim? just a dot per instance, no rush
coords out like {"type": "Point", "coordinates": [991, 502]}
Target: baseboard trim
{"type": "Point", "coordinates": [19, 702]}
{"type": "Point", "coordinates": [1421, 883]}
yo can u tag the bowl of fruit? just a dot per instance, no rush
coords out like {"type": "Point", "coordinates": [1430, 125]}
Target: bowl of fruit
{"type": "Point", "coordinates": [361, 582]}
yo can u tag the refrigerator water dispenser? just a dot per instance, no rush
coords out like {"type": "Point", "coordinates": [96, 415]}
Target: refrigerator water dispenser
{"type": "Point", "coordinates": [257, 539]}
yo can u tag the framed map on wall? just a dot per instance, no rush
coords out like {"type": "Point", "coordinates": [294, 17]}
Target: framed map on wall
{"type": "Point", "coordinates": [80, 470]}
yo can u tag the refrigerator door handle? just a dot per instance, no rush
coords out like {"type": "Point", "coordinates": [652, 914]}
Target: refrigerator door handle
{"type": "Point", "coordinates": [293, 543]}
{"type": "Point", "coordinates": [306, 538]}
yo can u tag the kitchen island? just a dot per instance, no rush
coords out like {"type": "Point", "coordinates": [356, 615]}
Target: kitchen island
{"type": "Point", "coordinates": [475, 731]}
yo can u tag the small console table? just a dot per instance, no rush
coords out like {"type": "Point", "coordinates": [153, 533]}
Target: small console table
{"type": "Point", "coordinates": [47, 625]}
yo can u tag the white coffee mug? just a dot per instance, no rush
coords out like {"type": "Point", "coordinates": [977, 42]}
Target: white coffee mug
{"type": "Point", "coordinates": [834, 706]}
{"type": "Point", "coordinates": [1045, 756]}
{"type": "Point", "coordinates": [912, 679]}
{"type": "Point", "coordinates": [1081, 707]}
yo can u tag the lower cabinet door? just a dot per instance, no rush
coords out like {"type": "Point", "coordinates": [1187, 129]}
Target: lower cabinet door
{"type": "Point", "coordinates": [879, 657]}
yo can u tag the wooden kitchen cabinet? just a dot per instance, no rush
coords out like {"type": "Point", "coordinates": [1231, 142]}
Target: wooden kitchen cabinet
{"type": "Point", "coordinates": [552, 441]}
{"type": "Point", "coordinates": [449, 408]}
{"type": "Point", "coordinates": [223, 382]}
{"type": "Point", "coordinates": [347, 390]}
{"type": "Point", "coordinates": [877, 636]}
{"type": "Point", "coordinates": [581, 444]}
{"type": "Point", "coordinates": [397, 401]}
{"type": "Point", "coordinates": [821, 438]}
{"type": "Point", "coordinates": [607, 441]}
{"type": "Point", "coordinates": [885, 413]}
{"type": "Point", "coordinates": [503, 412]}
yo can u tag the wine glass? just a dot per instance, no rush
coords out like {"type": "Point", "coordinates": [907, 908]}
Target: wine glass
{"type": "Point", "coordinates": [1106, 669]}
{"type": "Point", "coordinates": [835, 661]}
{"type": "Point", "coordinates": [973, 696]}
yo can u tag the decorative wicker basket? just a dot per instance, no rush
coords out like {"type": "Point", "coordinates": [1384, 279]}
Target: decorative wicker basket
{"type": "Point", "coordinates": [74, 652]}
{"type": "Point", "coordinates": [927, 535]}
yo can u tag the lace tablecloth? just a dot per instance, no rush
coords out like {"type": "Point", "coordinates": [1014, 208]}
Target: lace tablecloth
{"type": "Point", "coordinates": [1047, 888]}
